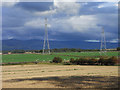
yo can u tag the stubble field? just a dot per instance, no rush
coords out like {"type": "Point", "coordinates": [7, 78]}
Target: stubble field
{"type": "Point", "coordinates": [59, 76]}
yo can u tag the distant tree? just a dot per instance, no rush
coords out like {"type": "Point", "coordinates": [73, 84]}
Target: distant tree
{"type": "Point", "coordinates": [41, 51]}
{"type": "Point", "coordinates": [118, 48]}
{"type": "Point", "coordinates": [79, 50]}
{"type": "Point", "coordinates": [102, 61]}
{"type": "Point", "coordinates": [112, 61]}
{"type": "Point", "coordinates": [57, 60]}
{"type": "Point", "coordinates": [18, 51]}
{"type": "Point", "coordinates": [73, 50]}
{"type": "Point", "coordinates": [5, 52]}
{"type": "Point", "coordinates": [72, 60]}
{"type": "Point", "coordinates": [92, 61]}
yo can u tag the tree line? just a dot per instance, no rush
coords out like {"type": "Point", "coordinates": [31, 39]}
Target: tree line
{"type": "Point", "coordinates": [52, 50]}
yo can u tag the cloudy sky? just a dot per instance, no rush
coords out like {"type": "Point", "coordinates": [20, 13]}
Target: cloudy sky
{"type": "Point", "coordinates": [67, 21]}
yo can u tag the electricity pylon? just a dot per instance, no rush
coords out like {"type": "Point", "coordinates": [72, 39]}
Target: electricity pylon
{"type": "Point", "coordinates": [103, 43]}
{"type": "Point", "coordinates": [46, 39]}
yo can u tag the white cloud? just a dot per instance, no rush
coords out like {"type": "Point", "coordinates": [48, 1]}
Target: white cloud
{"type": "Point", "coordinates": [45, 13]}
{"type": "Point", "coordinates": [110, 41]}
{"type": "Point", "coordinates": [100, 6]}
{"type": "Point", "coordinates": [69, 8]}
{"type": "Point", "coordinates": [92, 40]}
{"type": "Point", "coordinates": [113, 41]}
{"type": "Point", "coordinates": [88, 25]}
{"type": "Point", "coordinates": [108, 4]}
{"type": "Point", "coordinates": [66, 8]}
{"type": "Point", "coordinates": [116, 4]}
{"type": "Point", "coordinates": [39, 23]}
{"type": "Point", "coordinates": [82, 24]}
{"type": "Point", "coordinates": [10, 37]}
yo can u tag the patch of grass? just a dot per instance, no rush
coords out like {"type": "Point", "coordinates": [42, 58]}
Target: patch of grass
{"type": "Point", "coordinates": [50, 71]}
{"type": "Point", "coordinates": [68, 69]}
{"type": "Point", "coordinates": [58, 70]}
{"type": "Point", "coordinates": [75, 69]}
{"type": "Point", "coordinates": [91, 73]}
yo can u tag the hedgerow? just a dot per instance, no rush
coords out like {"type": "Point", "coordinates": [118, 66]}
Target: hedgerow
{"type": "Point", "coordinates": [92, 61]}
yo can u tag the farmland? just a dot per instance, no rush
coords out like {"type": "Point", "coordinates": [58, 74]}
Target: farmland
{"type": "Point", "coordinates": [59, 76]}
{"type": "Point", "coordinates": [41, 57]}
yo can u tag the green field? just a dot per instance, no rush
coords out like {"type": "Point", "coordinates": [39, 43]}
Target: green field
{"type": "Point", "coordinates": [40, 57]}
{"type": "Point", "coordinates": [30, 57]}
{"type": "Point", "coordinates": [88, 53]}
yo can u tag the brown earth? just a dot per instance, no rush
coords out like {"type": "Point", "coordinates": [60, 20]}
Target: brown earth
{"type": "Point", "coordinates": [59, 76]}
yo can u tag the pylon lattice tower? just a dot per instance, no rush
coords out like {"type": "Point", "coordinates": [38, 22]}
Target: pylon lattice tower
{"type": "Point", "coordinates": [46, 39]}
{"type": "Point", "coordinates": [103, 43]}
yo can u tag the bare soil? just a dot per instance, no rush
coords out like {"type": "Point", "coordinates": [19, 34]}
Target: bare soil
{"type": "Point", "coordinates": [59, 76]}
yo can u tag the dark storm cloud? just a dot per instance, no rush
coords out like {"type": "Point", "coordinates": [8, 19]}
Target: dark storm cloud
{"type": "Point", "coordinates": [23, 33]}
{"type": "Point", "coordinates": [68, 37]}
{"type": "Point", "coordinates": [35, 6]}
{"type": "Point", "coordinates": [15, 18]}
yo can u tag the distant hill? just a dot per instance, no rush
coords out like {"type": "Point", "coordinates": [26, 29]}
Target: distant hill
{"type": "Point", "coordinates": [38, 44]}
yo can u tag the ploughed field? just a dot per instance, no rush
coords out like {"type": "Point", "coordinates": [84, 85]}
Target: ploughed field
{"type": "Point", "coordinates": [41, 57]}
{"type": "Point", "coordinates": [59, 76]}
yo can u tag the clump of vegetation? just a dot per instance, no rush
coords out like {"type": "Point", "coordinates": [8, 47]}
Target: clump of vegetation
{"type": "Point", "coordinates": [84, 61]}
{"type": "Point", "coordinates": [18, 51]}
{"type": "Point", "coordinates": [102, 61]}
{"type": "Point", "coordinates": [57, 60]}
{"type": "Point", "coordinates": [80, 61]}
{"type": "Point", "coordinates": [92, 61]}
{"type": "Point", "coordinates": [112, 61]}
{"type": "Point", "coordinates": [108, 61]}
{"type": "Point", "coordinates": [66, 63]}
{"type": "Point", "coordinates": [118, 48]}
{"type": "Point", "coordinates": [72, 60]}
